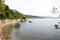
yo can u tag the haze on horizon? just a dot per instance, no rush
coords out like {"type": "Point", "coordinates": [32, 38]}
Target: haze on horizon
{"type": "Point", "coordinates": [34, 7]}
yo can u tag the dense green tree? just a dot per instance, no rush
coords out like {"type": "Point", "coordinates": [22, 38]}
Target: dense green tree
{"type": "Point", "coordinates": [7, 13]}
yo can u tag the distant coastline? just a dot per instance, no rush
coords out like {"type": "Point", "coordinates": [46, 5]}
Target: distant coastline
{"type": "Point", "coordinates": [31, 16]}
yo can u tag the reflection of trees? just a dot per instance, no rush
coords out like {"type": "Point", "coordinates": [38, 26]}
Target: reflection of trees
{"type": "Point", "coordinates": [17, 26]}
{"type": "Point", "coordinates": [57, 26]}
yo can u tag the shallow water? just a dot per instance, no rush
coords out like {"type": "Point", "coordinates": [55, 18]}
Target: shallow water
{"type": "Point", "coordinates": [39, 29]}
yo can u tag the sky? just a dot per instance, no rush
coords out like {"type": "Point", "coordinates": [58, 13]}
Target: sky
{"type": "Point", "coordinates": [34, 7]}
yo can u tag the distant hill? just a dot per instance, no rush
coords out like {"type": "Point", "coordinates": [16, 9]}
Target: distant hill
{"type": "Point", "coordinates": [31, 16]}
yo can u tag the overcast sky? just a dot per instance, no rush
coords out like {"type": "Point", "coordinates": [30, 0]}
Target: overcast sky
{"type": "Point", "coordinates": [34, 7]}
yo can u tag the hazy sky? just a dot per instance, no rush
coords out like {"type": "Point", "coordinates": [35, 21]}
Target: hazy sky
{"type": "Point", "coordinates": [34, 7]}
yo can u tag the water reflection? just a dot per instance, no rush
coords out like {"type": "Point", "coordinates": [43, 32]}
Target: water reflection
{"type": "Point", "coordinates": [7, 30]}
{"type": "Point", "coordinates": [57, 26]}
{"type": "Point", "coordinates": [17, 26]}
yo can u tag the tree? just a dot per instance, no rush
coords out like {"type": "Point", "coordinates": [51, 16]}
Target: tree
{"type": "Point", "coordinates": [2, 15]}
{"type": "Point", "coordinates": [6, 12]}
{"type": "Point", "coordinates": [7, 7]}
{"type": "Point", "coordinates": [56, 10]}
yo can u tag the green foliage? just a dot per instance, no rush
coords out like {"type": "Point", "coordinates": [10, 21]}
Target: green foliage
{"type": "Point", "coordinates": [7, 13]}
{"type": "Point", "coordinates": [7, 7]}
{"type": "Point", "coordinates": [2, 15]}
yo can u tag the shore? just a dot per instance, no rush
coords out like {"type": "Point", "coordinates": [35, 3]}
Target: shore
{"type": "Point", "coordinates": [7, 22]}
{"type": "Point", "coordinates": [3, 23]}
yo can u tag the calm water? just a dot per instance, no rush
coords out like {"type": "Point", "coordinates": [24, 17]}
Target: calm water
{"type": "Point", "coordinates": [39, 29]}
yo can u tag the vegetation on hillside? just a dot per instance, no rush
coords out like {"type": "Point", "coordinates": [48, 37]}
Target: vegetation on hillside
{"type": "Point", "coordinates": [7, 13]}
